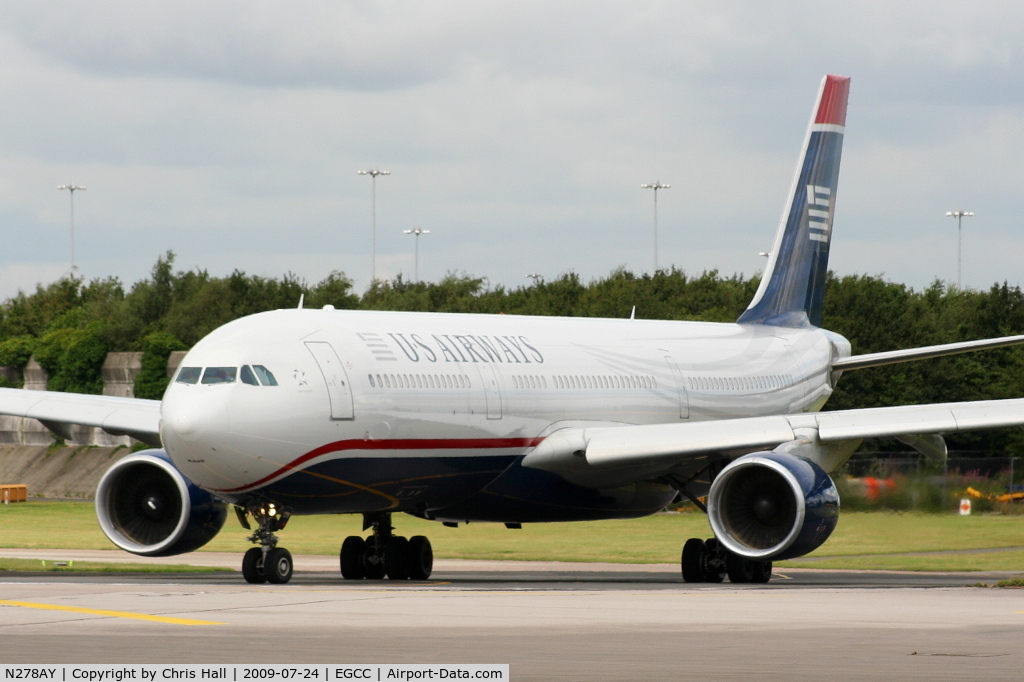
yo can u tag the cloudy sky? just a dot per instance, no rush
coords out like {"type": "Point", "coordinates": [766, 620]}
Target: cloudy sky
{"type": "Point", "coordinates": [518, 133]}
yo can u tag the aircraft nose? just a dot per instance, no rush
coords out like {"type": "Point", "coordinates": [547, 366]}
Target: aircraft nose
{"type": "Point", "coordinates": [193, 418]}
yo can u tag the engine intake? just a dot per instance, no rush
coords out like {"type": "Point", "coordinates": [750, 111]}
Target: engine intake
{"type": "Point", "coordinates": [773, 505]}
{"type": "Point", "coordinates": [147, 507]}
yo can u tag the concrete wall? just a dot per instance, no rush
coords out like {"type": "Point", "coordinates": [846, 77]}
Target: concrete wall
{"type": "Point", "coordinates": [29, 431]}
{"type": "Point", "coordinates": [119, 372]}
{"type": "Point", "coordinates": [69, 472]}
{"type": "Point", "coordinates": [174, 361]}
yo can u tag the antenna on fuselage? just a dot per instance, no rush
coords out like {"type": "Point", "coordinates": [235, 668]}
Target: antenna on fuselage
{"type": "Point", "coordinates": [632, 314]}
{"type": "Point", "coordinates": [302, 297]}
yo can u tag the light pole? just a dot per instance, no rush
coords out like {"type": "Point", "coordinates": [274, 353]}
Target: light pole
{"type": "Point", "coordinates": [373, 173]}
{"type": "Point", "coordinates": [417, 232]}
{"type": "Point", "coordinates": [71, 190]}
{"type": "Point", "coordinates": [655, 186]}
{"type": "Point", "coordinates": [959, 215]}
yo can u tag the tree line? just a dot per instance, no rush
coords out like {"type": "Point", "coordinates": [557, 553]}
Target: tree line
{"type": "Point", "coordinates": [69, 325]}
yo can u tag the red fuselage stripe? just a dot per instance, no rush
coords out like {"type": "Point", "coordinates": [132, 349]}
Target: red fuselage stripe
{"type": "Point", "coordinates": [396, 444]}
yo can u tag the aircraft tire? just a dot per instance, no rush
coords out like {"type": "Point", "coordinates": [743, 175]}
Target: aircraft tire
{"type": "Point", "coordinates": [420, 558]}
{"type": "Point", "coordinates": [712, 574]}
{"type": "Point", "coordinates": [351, 557]}
{"type": "Point", "coordinates": [762, 572]}
{"type": "Point", "coordinates": [739, 568]}
{"type": "Point", "coordinates": [396, 558]}
{"type": "Point", "coordinates": [373, 564]}
{"type": "Point", "coordinates": [278, 566]}
{"type": "Point", "coordinates": [694, 560]}
{"type": "Point", "coordinates": [252, 566]}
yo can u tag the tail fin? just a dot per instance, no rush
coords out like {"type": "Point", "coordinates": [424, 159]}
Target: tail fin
{"type": "Point", "coordinates": [793, 286]}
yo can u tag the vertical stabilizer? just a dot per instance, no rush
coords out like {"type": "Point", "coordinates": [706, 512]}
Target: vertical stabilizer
{"type": "Point", "coordinates": [793, 287]}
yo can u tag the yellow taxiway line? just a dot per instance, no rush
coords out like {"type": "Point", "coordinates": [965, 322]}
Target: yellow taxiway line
{"type": "Point", "coordinates": [110, 614]}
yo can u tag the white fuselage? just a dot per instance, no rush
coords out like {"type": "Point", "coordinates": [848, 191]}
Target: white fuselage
{"type": "Point", "coordinates": [374, 386]}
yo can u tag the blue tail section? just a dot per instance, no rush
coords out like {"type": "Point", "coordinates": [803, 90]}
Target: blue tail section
{"type": "Point", "coordinates": [792, 290]}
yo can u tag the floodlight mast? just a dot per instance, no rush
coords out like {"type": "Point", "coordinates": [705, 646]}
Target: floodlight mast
{"type": "Point", "coordinates": [72, 188]}
{"type": "Point", "coordinates": [959, 215]}
{"type": "Point", "coordinates": [655, 186]}
{"type": "Point", "coordinates": [417, 232]}
{"type": "Point", "coordinates": [373, 173]}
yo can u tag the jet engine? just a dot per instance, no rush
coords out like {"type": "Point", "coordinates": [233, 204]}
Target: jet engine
{"type": "Point", "coordinates": [146, 506]}
{"type": "Point", "coordinates": [772, 505]}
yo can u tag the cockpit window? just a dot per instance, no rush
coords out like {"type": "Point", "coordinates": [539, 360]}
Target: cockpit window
{"type": "Point", "coordinates": [219, 375]}
{"type": "Point", "coordinates": [266, 378]}
{"type": "Point", "coordinates": [248, 377]}
{"type": "Point", "coordinates": [189, 375]}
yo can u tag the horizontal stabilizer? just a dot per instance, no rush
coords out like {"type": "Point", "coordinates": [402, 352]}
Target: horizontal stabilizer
{"type": "Point", "coordinates": [923, 353]}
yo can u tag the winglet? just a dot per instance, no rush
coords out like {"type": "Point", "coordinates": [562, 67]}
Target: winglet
{"type": "Point", "coordinates": [792, 289]}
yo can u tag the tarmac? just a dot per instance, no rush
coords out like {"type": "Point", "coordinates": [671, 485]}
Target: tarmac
{"type": "Point", "coordinates": [548, 620]}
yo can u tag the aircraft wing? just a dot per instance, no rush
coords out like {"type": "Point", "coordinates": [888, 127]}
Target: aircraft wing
{"type": "Point", "coordinates": [133, 417]}
{"type": "Point", "coordinates": [669, 444]}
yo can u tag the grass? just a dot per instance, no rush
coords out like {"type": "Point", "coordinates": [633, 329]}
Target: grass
{"type": "Point", "coordinates": [1011, 582]}
{"type": "Point", "coordinates": [35, 565]}
{"type": "Point", "coordinates": [655, 539]}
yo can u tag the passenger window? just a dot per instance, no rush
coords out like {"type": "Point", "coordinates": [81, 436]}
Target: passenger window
{"type": "Point", "coordinates": [189, 375]}
{"type": "Point", "coordinates": [220, 375]}
{"type": "Point", "coordinates": [264, 375]}
{"type": "Point", "coordinates": [248, 377]}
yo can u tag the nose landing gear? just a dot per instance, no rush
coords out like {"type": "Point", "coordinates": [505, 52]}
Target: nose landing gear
{"type": "Point", "coordinates": [267, 563]}
{"type": "Point", "coordinates": [384, 554]}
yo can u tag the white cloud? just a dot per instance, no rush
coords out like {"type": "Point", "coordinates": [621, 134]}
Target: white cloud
{"type": "Point", "coordinates": [518, 133]}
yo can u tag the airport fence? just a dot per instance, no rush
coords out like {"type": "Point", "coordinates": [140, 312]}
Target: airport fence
{"type": "Point", "coordinates": [897, 482]}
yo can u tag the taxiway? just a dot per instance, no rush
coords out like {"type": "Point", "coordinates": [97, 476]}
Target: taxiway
{"type": "Point", "coordinates": [561, 621]}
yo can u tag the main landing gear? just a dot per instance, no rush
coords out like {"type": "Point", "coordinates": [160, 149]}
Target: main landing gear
{"type": "Point", "coordinates": [383, 554]}
{"type": "Point", "coordinates": [706, 561]}
{"type": "Point", "coordinates": [267, 563]}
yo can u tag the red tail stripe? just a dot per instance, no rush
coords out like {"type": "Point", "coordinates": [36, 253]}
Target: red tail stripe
{"type": "Point", "coordinates": [832, 108]}
{"type": "Point", "coordinates": [396, 444]}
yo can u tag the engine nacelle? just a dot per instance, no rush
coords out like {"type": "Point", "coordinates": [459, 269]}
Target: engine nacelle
{"type": "Point", "coordinates": [773, 505]}
{"type": "Point", "coordinates": [146, 506]}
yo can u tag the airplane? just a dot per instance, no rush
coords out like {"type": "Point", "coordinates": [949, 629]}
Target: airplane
{"type": "Point", "coordinates": [461, 418]}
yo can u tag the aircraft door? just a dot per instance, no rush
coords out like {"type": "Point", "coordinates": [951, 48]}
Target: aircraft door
{"type": "Point", "coordinates": [492, 390]}
{"type": "Point", "coordinates": [338, 389]}
{"type": "Point", "coordinates": [684, 401]}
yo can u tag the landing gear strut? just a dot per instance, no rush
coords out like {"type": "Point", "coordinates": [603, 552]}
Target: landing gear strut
{"type": "Point", "coordinates": [706, 561]}
{"type": "Point", "coordinates": [267, 563]}
{"type": "Point", "coordinates": [385, 554]}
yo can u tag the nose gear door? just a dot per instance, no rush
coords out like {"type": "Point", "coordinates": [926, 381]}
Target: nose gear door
{"type": "Point", "coordinates": [339, 391]}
